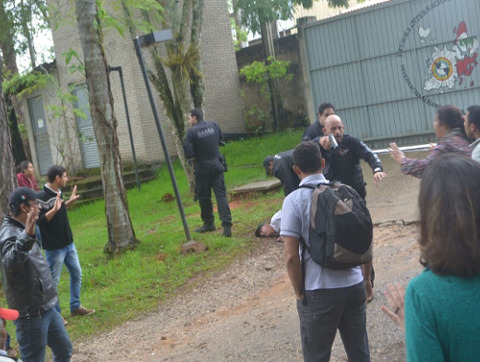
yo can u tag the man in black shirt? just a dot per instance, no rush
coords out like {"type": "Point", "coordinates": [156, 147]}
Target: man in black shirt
{"type": "Point", "coordinates": [57, 237]}
{"type": "Point", "coordinates": [316, 129]}
{"type": "Point", "coordinates": [281, 166]}
{"type": "Point", "coordinates": [201, 148]}
{"type": "Point", "coordinates": [342, 163]}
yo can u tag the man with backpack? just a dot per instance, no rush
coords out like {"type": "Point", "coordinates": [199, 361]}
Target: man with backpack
{"type": "Point", "coordinates": [327, 299]}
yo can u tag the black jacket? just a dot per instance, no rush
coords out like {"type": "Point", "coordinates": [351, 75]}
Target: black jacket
{"type": "Point", "coordinates": [26, 277]}
{"type": "Point", "coordinates": [343, 164]}
{"type": "Point", "coordinates": [313, 131]}
{"type": "Point", "coordinates": [283, 170]}
{"type": "Point", "coordinates": [201, 145]}
{"type": "Point", "coordinates": [56, 233]}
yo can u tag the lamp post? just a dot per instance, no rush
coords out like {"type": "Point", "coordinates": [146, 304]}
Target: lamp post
{"type": "Point", "coordinates": [145, 40]}
{"type": "Point", "coordinates": [119, 70]}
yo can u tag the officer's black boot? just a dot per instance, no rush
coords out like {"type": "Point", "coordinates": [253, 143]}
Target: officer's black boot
{"type": "Point", "coordinates": [205, 228]}
{"type": "Point", "coordinates": [227, 231]}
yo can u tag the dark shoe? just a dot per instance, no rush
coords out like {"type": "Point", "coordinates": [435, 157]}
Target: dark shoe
{"type": "Point", "coordinates": [205, 228]}
{"type": "Point", "coordinates": [227, 231]}
{"type": "Point", "coordinates": [82, 311]}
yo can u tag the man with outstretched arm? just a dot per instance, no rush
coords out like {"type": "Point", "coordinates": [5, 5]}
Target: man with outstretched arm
{"type": "Point", "coordinates": [327, 299]}
{"type": "Point", "coordinates": [57, 237]}
{"type": "Point", "coordinates": [342, 163]}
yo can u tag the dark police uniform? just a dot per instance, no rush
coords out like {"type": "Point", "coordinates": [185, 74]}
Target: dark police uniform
{"type": "Point", "coordinates": [201, 144]}
{"type": "Point", "coordinates": [313, 131]}
{"type": "Point", "coordinates": [343, 163]}
{"type": "Point", "coordinates": [283, 170]}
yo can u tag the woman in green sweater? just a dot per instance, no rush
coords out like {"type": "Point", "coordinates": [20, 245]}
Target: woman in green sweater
{"type": "Point", "coordinates": [442, 304]}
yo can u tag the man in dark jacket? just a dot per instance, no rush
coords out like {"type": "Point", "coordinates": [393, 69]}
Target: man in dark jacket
{"type": "Point", "coordinates": [281, 166]}
{"type": "Point", "coordinates": [316, 128]}
{"type": "Point", "coordinates": [342, 163]}
{"type": "Point", "coordinates": [201, 149]}
{"type": "Point", "coordinates": [28, 283]}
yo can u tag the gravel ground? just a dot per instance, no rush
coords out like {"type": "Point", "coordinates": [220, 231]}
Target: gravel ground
{"type": "Point", "coordinates": [247, 312]}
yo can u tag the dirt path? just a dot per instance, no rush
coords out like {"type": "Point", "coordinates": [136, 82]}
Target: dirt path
{"type": "Point", "coordinates": [247, 313]}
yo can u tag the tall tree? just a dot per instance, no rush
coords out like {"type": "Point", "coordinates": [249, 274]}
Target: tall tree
{"type": "Point", "coordinates": [7, 171]}
{"type": "Point", "coordinates": [121, 235]}
{"type": "Point", "coordinates": [177, 75]}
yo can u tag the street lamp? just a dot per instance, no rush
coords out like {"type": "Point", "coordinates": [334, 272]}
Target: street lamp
{"type": "Point", "coordinates": [145, 40]}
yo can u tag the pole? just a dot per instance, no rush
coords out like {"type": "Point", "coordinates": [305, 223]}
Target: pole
{"type": "Point", "coordinates": [136, 41]}
{"type": "Point", "coordinates": [119, 70]}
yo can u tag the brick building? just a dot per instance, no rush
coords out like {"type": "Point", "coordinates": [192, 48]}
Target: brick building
{"type": "Point", "coordinates": [58, 136]}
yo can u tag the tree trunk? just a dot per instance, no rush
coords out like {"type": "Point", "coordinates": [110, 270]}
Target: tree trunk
{"type": "Point", "coordinates": [7, 45]}
{"type": "Point", "coordinates": [273, 85]}
{"type": "Point", "coordinates": [8, 180]}
{"type": "Point", "coordinates": [120, 231]}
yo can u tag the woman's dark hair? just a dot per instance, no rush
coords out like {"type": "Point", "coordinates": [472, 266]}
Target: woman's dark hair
{"type": "Point", "coordinates": [452, 117]}
{"type": "Point", "coordinates": [23, 166]}
{"type": "Point", "coordinates": [449, 203]}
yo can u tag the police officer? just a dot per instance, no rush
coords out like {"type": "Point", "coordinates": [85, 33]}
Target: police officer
{"type": "Point", "coordinates": [281, 166]}
{"type": "Point", "coordinates": [201, 149]}
{"type": "Point", "coordinates": [342, 163]}
{"type": "Point", "coordinates": [316, 128]}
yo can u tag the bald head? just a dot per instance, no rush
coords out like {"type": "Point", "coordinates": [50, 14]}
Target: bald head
{"type": "Point", "coordinates": [334, 125]}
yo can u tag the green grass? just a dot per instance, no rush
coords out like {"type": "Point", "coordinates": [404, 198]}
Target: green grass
{"type": "Point", "coordinates": [135, 282]}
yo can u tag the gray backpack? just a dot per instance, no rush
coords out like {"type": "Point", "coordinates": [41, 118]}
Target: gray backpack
{"type": "Point", "coordinates": [341, 229]}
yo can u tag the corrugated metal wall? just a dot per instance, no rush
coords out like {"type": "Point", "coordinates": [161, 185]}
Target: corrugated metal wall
{"type": "Point", "coordinates": [377, 66]}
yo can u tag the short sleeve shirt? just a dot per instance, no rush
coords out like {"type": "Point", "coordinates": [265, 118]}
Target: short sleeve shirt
{"type": "Point", "coordinates": [296, 223]}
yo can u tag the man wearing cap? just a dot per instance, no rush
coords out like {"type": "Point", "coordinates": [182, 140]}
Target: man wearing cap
{"type": "Point", "coordinates": [201, 149]}
{"type": "Point", "coordinates": [316, 129]}
{"type": "Point", "coordinates": [281, 166]}
{"type": "Point", "coordinates": [10, 315]}
{"type": "Point", "coordinates": [28, 282]}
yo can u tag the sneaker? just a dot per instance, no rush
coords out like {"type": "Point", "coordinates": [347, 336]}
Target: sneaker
{"type": "Point", "coordinates": [205, 228]}
{"type": "Point", "coordinates": [227, 231]}
{"type": "Point", "coordinates": [65, 322]}
{"type": "Point", "coordinates": [82, 311]}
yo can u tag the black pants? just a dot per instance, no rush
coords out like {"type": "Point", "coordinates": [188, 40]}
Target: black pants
{"type": "Point", "coordinates": [204, 185]}
{"type": "Point", "coordinates": [326, 311]}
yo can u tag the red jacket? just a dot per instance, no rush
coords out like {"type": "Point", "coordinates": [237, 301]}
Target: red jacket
{"type": "Point", "coordinates": [24, 180]}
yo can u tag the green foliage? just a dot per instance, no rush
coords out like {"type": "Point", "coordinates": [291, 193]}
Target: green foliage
{"type": "Point", "coordinates": [241, 35]}
{"type": "Point", "coordinates": [256, 119]}
{"type": "Point", "coordinates": [259, 72]}
{"type": "Point", "coordinates": [70, 57]}
{"type": "Point", "coordinates": [258, 12]}
{"type": "Point", "coordinates": [24, 84]}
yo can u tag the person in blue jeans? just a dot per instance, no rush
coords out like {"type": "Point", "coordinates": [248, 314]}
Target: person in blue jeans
{"type": "Point", "coordinates": [28, 283]}
{"type": "Point", "coordinates": [57, 238]}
